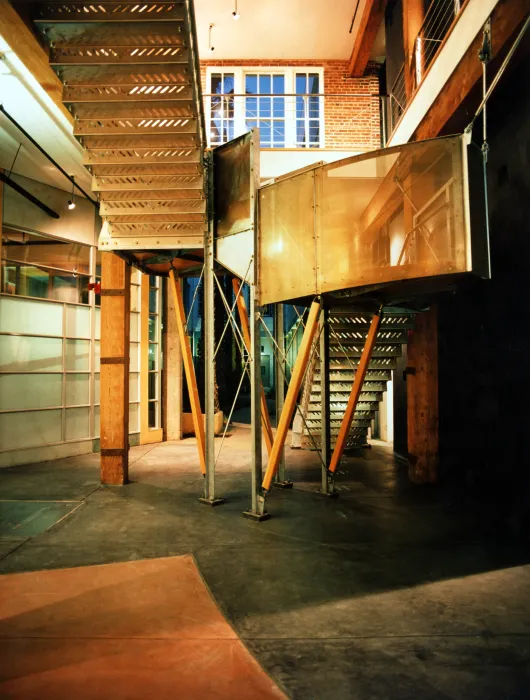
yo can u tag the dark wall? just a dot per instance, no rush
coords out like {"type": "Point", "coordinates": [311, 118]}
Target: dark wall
{"type": "Point", "coordinates": [395, 55]}
{"type": "Point", "coordinates": [484, 331]}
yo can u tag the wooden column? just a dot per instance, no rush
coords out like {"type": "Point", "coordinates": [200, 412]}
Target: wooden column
{"type": "Point", "coordinates": [114, 377]}
{"type": "Point", "coordinates": [422, 398]}
{"type": "Point", "coordinates": [413, 14]}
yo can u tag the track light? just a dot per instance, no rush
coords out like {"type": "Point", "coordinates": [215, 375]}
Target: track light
{"type": "Point", "coordinates": [71, 202]}
{"type": "Point", "coordinates": [235, 13]}
{"type": "Point", "coordinates": [210, 47]}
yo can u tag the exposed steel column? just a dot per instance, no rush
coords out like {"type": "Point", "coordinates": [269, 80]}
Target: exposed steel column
{"type": "Point", "coordinates": [355, 391]}
{"type": "Point", "coordinates": [189, 369]}
{"type": "Point", "coordinates": [245, 327]}
{"type": "Point", "coordinates": [292, 393]}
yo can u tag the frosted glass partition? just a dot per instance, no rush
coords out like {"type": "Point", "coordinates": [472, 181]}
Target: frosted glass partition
{"type": "Point", "coordinates": [287, 220]}
{"type": "Point", "coordinates": [30, 429]}
{"type": "Point", "coordinates": [23, 391]}
{"type": "Point", "coordinates": [28, 316]}
{"type": "Point", "coordinates": [77, 389]}
{"type": "Point", "coordinates": [397, 214]}
{"type": "Point", "coordinates": [77, 423]}
{"type": "Point", "coordinates": [77, 355]}
{"type": "Point", "coordinates": [77, 321]}
{"type": "Point", "coordinates": [25, 353]}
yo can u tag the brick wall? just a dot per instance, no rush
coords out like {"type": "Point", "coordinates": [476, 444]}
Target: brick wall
{"type": "Point", "coordinates": [351, 122]}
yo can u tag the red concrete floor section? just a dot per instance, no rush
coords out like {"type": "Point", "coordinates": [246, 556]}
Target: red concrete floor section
{"type": "Point", "coordinates": [144, 629]}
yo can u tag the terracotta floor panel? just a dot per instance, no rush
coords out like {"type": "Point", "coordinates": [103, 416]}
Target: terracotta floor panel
{"type": "Point", "coordinates": [131, 669]}
{"type": "Point", "coordinates": [160, 598]}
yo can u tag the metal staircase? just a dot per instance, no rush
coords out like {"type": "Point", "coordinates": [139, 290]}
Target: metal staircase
{"type": "Point", "coordinates": [131, 80]}
{"type": "Point", "coordinates": [347, 335]}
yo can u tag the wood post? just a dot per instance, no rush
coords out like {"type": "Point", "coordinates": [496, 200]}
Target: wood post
{"type": "Point", "coordinates": [297, 377]}
{"type": "Point", "coordinates": [189, 369]}
{"type": "Point", "coordinates": [355, 392]}
{"type": "Point", "coordinates": [245, 328]}
{"type": "Point", "coordinates": [422, 398]}
{"type": "Point", "coordinates": [114, 377]}
{"type": "Point", "coordinates": [413, 15]}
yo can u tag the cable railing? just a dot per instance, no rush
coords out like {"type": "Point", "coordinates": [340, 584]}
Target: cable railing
{"type": "Point", "coordinates": [437, 24]}
{"type": "Point", "coordinates": [310, 120]}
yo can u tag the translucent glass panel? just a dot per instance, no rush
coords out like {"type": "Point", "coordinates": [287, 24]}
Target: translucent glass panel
{"type": "Point", "coordinates": [97, 323]}
{"type": "Point", "coordinates": [77, 423]}
{"type": "Point", "coordinates": [77, 322]}
{"type": "Point", "coordinates": [96, 422]}
{"type": "Point", "coordinates": [134, 392]}
{"type": "Point", "coordinates": [287, 242]}
{"type": "Point", "coordinates": [77, 355]}
{"type": "Point", "coordinates": [134, 363]}
{"type": "Point", "coordinates": [77, 389]}
{"type": "Point", "coordinates": [134, 412]}
{"type": "Point", "coordinates": [27, 354]}
{"type": "Point", "coordinates": [27, 316]}
{"type": "Point", "coordinates": [393, 215]}
{"type": "Point", "coordinates": [20, 391]}
{"type": "Point", "coordinates": [45, 252]}
{"type": "Point", "coordinates": [29, 429]}
{"type": "Point", "coordinates": [135, 327]}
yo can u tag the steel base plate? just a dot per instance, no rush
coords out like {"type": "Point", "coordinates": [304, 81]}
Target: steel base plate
{"type": "Point", "coordinates": [212, 501]}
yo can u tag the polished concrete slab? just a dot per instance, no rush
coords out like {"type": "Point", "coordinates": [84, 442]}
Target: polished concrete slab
{"type": "Point", "coordinates": [132, 630]}
{"type": "Point", "coordinates": [391, 590]}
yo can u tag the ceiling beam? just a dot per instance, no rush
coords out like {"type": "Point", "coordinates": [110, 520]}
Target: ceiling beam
{"type": "Point", "coordinates": [506, 18]}
{"type": "Point", "coordinates": [26, 47]}
{"type": "Point", "coordinates": [372, 16]}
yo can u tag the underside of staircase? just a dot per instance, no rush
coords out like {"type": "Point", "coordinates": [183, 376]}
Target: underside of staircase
{"type": "Point", "coordinates": [347, 335]}
{"type": "Point", "coordinates": [130, 76]}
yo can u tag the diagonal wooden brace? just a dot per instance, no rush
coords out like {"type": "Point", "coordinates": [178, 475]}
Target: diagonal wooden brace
{"type": "Point", "coordinates": [189, 369]}
{"type": "Point", "coordinates": [292, 393]}
{"type": "Point", "coordinates": [358, 382]}
{"type": "Point", "coordinates": [245, 327]}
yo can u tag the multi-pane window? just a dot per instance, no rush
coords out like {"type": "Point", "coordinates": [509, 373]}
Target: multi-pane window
{"type": "Point", "coordinates": [266, 109]}
{"type": "Point", "coordinates": [221, 108]}
{"type": "Point", "coordinates": [286, 104]}
{"type": "Point", "coordinates": [307, 110]}
{"type": "Point", "coordinates": [34, 265]}
{"type": "Point", "coordinates": [154, 353]}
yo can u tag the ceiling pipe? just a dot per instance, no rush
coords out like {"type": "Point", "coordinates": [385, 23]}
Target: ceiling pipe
{"type": "Point", "coordinates": [47, 155]}
{"type": "Point", "coordinates": [18, 188]}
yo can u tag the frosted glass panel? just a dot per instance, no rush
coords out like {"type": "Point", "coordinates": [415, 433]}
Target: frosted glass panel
{"type": "Point", "coordinates": [77, 354]}
{"type": "Point", "coordinates": [135, 327]}
{"type": "Point", "coordinates": [77, 322]}
{"type": "Point", "coordinates": [96, 388]}
{"type": "Point", "coordinates": [96, 421]}
{"type": "Point", "coordinates": [134, 365]}
{"type": "Point", "coordinates": [97, 362]}
{"type": "Point", "coordinates": [27, 316]}
{"type": "Point", "coordinates": [30, 391]}
{"type": "Point", "coordinates": [134, 392]}
{"type": "Point", "coordinates": [19, 352]}
{"type": "Point", "coordinates": [77, 423]}
{"type": "Point", "coordinates": [97, 323]}
{"type": "Point", "coordinates": [29, 429]}
{"type": "Point", "coordinates": [135, 298]}
{"type": "Point", "coordinates": [77, 389]}
{"type": "Point", "coordinates": [133, 418]}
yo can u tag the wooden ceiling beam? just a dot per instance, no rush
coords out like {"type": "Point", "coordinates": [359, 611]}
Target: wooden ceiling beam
{"type": "Point", "coordinates": [372, 16]}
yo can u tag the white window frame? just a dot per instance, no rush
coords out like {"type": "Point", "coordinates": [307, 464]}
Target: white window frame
{"type": "Point", "coordinates": [289, 73]}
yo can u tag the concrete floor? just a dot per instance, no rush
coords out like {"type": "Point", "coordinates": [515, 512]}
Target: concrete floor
{"type": "Point", "coordinates": [390, 591]}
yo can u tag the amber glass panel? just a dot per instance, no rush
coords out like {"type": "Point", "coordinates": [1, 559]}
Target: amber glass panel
{"type": "Point", "coordinates": [398, 215]}
{"type": "Point", "coordinates": [287, 242]}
